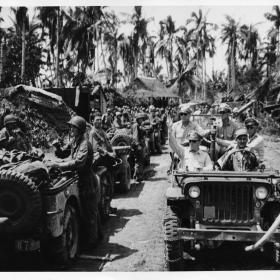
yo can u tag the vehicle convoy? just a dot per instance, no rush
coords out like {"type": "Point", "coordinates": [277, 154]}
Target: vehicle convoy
{"type": "Point", "coordinates": [205, 209]}
{"type": "Point", "coordinates": [40, 208]}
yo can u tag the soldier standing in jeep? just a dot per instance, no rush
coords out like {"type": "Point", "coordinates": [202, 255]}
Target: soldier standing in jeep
{"type": "Point", "coordinates": [81, 153]}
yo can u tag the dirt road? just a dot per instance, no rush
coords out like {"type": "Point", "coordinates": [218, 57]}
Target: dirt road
{"type": "Point", "coordinates": [135, 238]}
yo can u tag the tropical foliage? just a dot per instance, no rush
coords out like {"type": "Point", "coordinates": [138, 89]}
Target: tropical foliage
{"type": "Point", "coordinates": [66, 46]}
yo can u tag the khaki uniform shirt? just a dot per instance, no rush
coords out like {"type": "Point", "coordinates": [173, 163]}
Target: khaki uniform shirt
{"type": "Point", "coordinates": [196, 161]}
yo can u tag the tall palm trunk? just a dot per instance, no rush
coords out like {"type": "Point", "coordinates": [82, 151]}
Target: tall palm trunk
{"type": "Point", "coordinates": [232, 70]}
{"type": "Point", "coordinates": [57, 49]}
{"type": "Point", "coordinates": [23, 45]}
{"type": "Point", "coordinates": [204, 77]}
{"type": "Point", "coordinates": [171, 59]}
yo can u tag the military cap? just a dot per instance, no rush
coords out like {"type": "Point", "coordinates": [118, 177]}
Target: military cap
{"type": "Point", "coordinates": [185, 109]}
{"type": "Point", "coordinates": [193, 135]}
{"type": "Point", "coordinates": [240, 132]}
{"type": "Point", "coordinates": [140, 116]}
{"type": "Point", "coordinates": [224, 108]}
{"type": "Point", "coordinates": [251, 121]}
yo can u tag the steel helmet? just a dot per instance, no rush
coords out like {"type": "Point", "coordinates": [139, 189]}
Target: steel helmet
{"type": "Point", "coordinates": [10, 119]}
{"type": "Point", "coordinates": [79, 123]}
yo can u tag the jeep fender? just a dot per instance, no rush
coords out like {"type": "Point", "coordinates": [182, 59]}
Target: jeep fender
{"type": "Point", "coordinates": [55, 206]}
{"type": "Point", "coordinates": [174, 193]}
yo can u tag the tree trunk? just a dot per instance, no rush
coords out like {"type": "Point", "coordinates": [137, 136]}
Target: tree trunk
{"type": "Point", "coordinates": [171, 59]}
{"type": "Point", "coordinates": [204, 76]}
{"type": "Point", "coordinates": [232, 71]}
{"type": "Point", "coordinates": [57, 48]}
{"type": "Point", "coordinates": [228, 77]}
{"type": "Point", "coordinates": [22, 75]}
{"type": "Point", "coordinates": [103, 57]}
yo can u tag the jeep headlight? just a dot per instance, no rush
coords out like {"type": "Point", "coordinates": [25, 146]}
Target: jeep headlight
{"type": "Point", "coordinates": [261, 193]}
{"type": "Point", "coordinates": [194, 192]}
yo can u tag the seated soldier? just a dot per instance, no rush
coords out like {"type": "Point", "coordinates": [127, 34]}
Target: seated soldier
{"type": "Point", "coordinates": [238, 156]}
{"type": "Point", "coordinates": [192, 158]}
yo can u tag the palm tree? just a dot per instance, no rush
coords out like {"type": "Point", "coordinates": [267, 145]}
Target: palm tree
{"type": "Point", "coordinates": [203, 43]}
{"type": "Point", "coordinates": [249, 39]}
{"type": "Point", "coordinates": [275, 18]}
{"type": "Point", "coordinates": [51, 20]}
{"type": "Point", "coordinates": [139, 36]}
{"type": "Point", "coordinates": [21, 23]}
{"type": "Point", "coordinates": [81, 33]}
{"type": "Point", "coordinates": [167, 42]}
{"type": "Point", "coordinates": [231, 36]}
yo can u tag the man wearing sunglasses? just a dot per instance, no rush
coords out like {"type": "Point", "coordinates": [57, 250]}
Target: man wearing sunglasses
{"type": "Point", "coordinates": [185, 125]}
{"type": "Point", "coordinates": [191, 158]}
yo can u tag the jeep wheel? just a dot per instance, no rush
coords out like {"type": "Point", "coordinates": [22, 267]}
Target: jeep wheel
{"type": "Point", "coordinates": [20, 201]}
{"type": "Point", "coordinates": [173, 245]}
{"type": "Point", "coordinates": [105, 197]}
{"type": "Point", "coordinates": [62, 250]}
{"type": "Point", "coordinates": [125, 178]}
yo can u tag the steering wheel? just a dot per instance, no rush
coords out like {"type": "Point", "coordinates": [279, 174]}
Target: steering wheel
{"type": "Point", "coordinates": [253, 159]}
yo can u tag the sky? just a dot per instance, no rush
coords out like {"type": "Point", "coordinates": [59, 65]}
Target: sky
{"type": "Point", "coordinates": [253, 14]}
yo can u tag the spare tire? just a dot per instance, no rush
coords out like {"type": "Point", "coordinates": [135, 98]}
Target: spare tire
{"type": "Point", "coordinates": [121, 140]}
{"type": "Point", "coordinates": [20, 201]}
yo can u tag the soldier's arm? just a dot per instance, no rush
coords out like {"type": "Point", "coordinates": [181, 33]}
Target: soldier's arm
{"type": "Point", "coordinates": [79, 161]}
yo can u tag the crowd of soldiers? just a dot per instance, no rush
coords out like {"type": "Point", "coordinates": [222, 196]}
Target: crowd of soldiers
{"type": "Point", "coordinates": [88, 149]}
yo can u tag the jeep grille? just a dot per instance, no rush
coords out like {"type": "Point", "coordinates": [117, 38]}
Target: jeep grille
{"type": "Point", "coordinates": [224, 203]}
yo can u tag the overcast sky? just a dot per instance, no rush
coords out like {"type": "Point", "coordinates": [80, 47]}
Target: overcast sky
{"type": "Point", "coordinates": [215, 14]}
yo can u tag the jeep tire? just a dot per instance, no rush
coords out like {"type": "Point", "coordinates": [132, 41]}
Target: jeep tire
{"type": "Point", "coordinates": [105, 196]}
{"type": "Point", "coordinates": [62, 250]}
{"type": "Point", "coordinates": [173, 245]}
{"type": "Point", "coordinates": [20, 201]}
{"type": "Point", "coordinates": [125, 178]}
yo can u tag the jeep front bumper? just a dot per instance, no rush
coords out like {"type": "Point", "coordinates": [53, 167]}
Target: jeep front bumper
{"type": "Point", "coordinates": [225, 235]}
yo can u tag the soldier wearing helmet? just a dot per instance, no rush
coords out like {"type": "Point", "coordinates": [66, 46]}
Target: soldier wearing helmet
{"type": "Point", "coordinates": [81, 157]}
{"type": "Point", "coordinates": [138, 143]}
{"type": "Point", "coordinates": [12, 137]}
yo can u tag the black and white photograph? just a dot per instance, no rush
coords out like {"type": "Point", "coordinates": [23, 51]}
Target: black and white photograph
{"type": "Point", "coordinates": [139, 137]}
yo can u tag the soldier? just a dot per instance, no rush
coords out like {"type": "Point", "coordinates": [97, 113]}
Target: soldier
{"type": "Point", "coordinates": [12, 137]}
{"type": "Point", "coordinates": [107, 120]}
{"type": "Point", "coordinates": [256, 141]}
{"type": "Point", "coordinates": [185, 125]}
{"type": "Point", "coordinates": [118, 121]}
{"type": "Point", "coordinates": [238, 157]}
{"type": "Point", "coordinates": [228, 128]}
{"type": "Point", "coordinates": [81, 156]}
{"type": "Point", "coordinates": [139, 143]}
{"type": "Point", "coordinates": [191, 158]}
{"type": "Point", "coordinates": [98, 138]}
